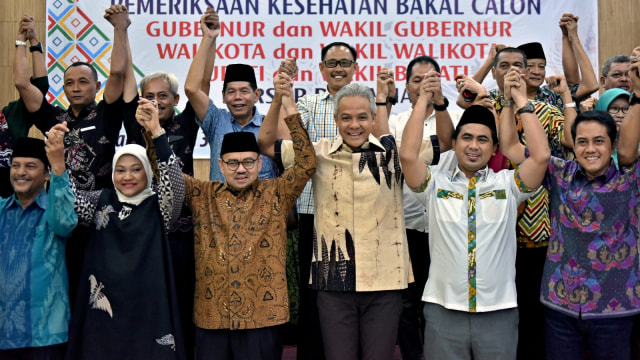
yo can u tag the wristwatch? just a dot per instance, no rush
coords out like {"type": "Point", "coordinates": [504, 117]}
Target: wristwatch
{"type": "Point", "coordinates": [392, 99]}
{"type": "Point", "coordinates": [442, 107]}
{"type": "Point", "coordinates": [529, 108]}
{"type": "Point", "coordinates": [634, 99]}
{"type": "Point", "coordinates": [36, 48]}
{"type": "Point", "coordinates": [21, 43]}
{"type": "Point", "coordinates": [381, 103]}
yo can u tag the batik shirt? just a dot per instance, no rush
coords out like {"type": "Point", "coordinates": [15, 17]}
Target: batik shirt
{"type": "Point", "coordinates": [240, 240]}
{"type": "Point", "coordinates": [591, 269]}
{"type": "Point", "coordinates": [360, 242]}
{"type": "Point", "coordinates": [533, 226]}
{"type": "Point", "coordinates": [316, 112]}
{"type": "Point", "coordinates": [471, 238]}
{"type": "Point", "coordinates": [34, 291]}
{"type": "Point", "coordinates": [219, 122]}
{"type": "Point", "coordinates": [90, 144]}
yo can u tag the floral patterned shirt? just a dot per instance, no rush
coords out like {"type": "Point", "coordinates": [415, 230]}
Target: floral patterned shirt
{"type": "Point", "coordinates": [591, 269]}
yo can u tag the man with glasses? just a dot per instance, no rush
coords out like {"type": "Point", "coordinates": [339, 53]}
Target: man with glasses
{"type": "Point", "coordinates": [239, 92]}
{"type": "Point", "coordinates": [241, 294]}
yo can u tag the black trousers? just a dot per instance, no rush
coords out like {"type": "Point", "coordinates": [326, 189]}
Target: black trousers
{"type": "Point", "coordinates": [250, 344]}
{"type": "Point", "coordinates": [529, 268]}
{"type": "Point", "coordinates": [51, 352]}
{"type": "Point", "coordinates": [411, 326]}
{"type": "Point", "coordinates": [309, 340]}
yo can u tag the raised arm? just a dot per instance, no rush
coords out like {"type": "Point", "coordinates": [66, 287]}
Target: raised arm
{"type": "Point", "coordinates": [533, 168]}
{"type": "Point", "coordinates": [118, 16]}
{"type": "Point", "coordinates": [381, 120]}
{"type": "Point", "coordinates": [60, 203]}
{"type": "Point", "coordinates": [130, 89]}
{"type": "Point", "coordinates": [510, 145]}
{"type": "Point", "coordinates": [414, 169]}
{"type": "Point", "coordinates": [171, 183]}
{"type": "Point", "coordinates": [485, 68]}
{"type": "Point", "coordinates": [558, 84]}
{"type": "Point", "coordinates": [575, 61]}
{"type": "Point", "coordinates": [30, 94]}
{"type": "Point", "coordinates": [37, 55]}
{"type": "Point", "coordinates": [282, 99]}
{"type": "Point", "coordinates": [444, 126]}
{"type": "Point", "coordinates": [629, 134]}
{"type": "Point", "coordinates": [193, 85]}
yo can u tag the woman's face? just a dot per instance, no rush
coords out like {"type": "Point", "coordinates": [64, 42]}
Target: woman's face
{"type": "Point", "coordinates": [129, 176]}
{"type": "Point", "coordinates": [618, 109]}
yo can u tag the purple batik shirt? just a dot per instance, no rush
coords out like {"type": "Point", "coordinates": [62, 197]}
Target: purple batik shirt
{"type": "Point", "coordinates": [591, 270]}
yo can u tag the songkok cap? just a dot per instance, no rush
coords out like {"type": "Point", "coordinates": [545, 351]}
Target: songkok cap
{"type": "Point", "coordinates": [533, 50]}
{"type": "Point", "coordinates": [239, 72]}
{"type": "Point", "coordinates": [31, 148]}
{"type": "Point", "coordinates": [608, 97]}
{"type": "Point", "coordinates": [239, 142]}
{"type": "Point", "coordinates": [478, 114]}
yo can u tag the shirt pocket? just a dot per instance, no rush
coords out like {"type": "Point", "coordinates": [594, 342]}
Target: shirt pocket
{"type": "Point", "coordinates": [493, 205]}
{"type": "Point", "coordinates": [449, 205]}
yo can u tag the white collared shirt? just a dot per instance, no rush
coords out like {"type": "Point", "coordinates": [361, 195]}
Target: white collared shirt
{"type": "Point", "coordinates": [416, 215]}
{"type": "Point", "coordinates": [452, 277]}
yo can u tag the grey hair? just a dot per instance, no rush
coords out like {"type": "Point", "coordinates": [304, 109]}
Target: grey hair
{"type": "Point", "coordinates": [616, 59]}
{"type": "Point", "coordinates": [171, 79]}
{"type": "Point", "coordinates": [354, 89]}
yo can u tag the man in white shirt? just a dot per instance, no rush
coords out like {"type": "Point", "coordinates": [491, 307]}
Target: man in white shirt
{"type": "Point", "coordinates": [415, 212]}
{"type": "Point", "coordinates": [471, 307]}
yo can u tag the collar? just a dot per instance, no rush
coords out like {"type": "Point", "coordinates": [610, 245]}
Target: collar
{"type": "Point", "coordinates": [84, 112]}
{"type": "Point", "coordinates": [602, 179]}
{"type": "Point", "coordinates": [226, 187]}
{"type": "Point", "coordinates": [326, 95]}
{"type": "Point", "coordinates": [481, 174]}
{"type": "Point", "coordinates": [369, 145]}
{"type": "Point", "coordinates": [256, 120]}
{"type": "Point", "coordinates": [40, 200]}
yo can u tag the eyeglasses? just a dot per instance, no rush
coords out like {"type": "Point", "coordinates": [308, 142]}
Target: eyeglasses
{"type": "Point", "coordinates": [614, 110]}
{"type": "Point", "coordinates": [331, 63]}
{"type": "Point", "coordinates": [234, 164]}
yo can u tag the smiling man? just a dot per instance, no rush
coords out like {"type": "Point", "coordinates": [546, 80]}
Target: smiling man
{"type": "Point", "coordinates": [241, 293]}
{"type": "Point", "coordinates": [470, 295]}
{"type": "Point", "coordinates": [33, 277]}
{"type": "Point", "coordinates": [338, 64]}
{"type": "Point", "coordinates": [239, 92]}
{"type": "Point", "coordinates": [360, 261]}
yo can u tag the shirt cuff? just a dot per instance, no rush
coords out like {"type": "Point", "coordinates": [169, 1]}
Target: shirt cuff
{"type": "Point", "coordinates": [163, 151]}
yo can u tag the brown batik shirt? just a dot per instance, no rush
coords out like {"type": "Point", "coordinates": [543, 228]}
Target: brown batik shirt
{"type": "Point", "coordinates": [240, 241]}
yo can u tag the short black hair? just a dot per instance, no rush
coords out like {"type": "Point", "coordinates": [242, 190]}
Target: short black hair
{"type": "Point", "coordinates": [326, 49]}
{"type": "Point", "coordinates": [421, 60]}
{"type": "Point", "coordinates": [509, 50]}
{"type": "Point", "coordinates": [615, 59]}
{"type": "Point", "coordinates": [599, 116]}
{"type": "Point", "coordinates": [456, 132]}
{"type": "Point", "coordinates": [82, 63]}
